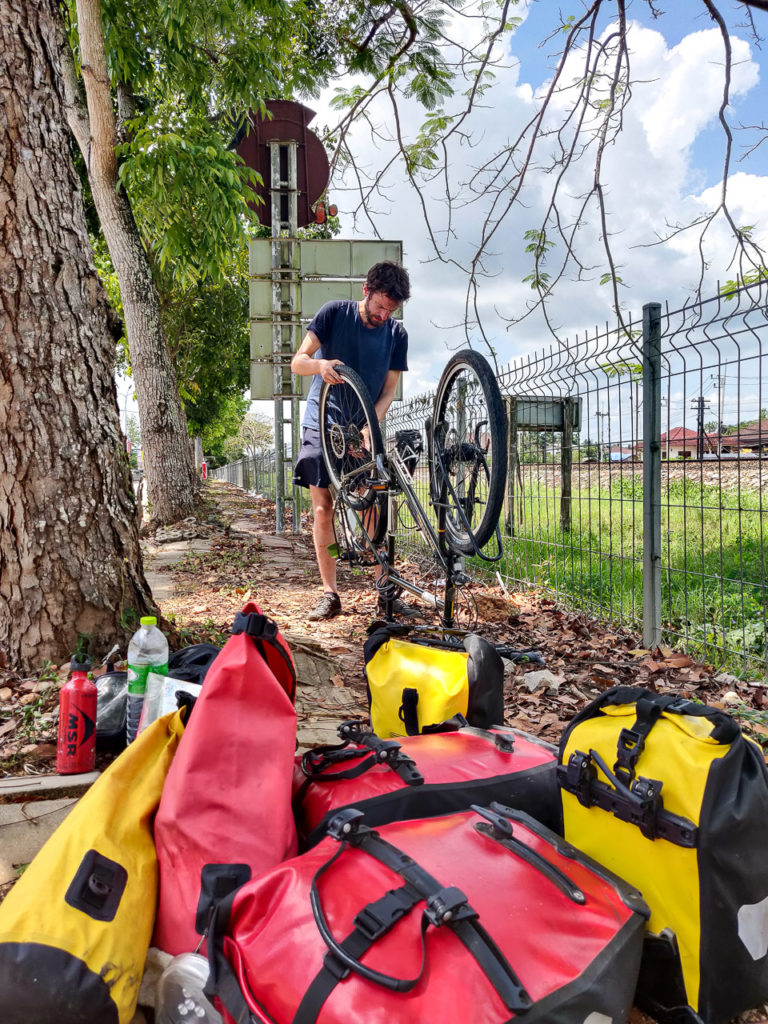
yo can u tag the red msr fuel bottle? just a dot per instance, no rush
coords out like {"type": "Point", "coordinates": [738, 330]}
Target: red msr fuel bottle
{"type": "Point", "coordinates": [76, 743]}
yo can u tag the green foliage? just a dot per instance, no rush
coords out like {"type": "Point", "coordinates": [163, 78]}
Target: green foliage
{"type": "Point", "coordinates": [538, 246]}
{"type": "Point", "coordinates": [254, 437]}
{"type": "Point", "coordinates": [186, 74]}
{"type": "Point", "coordinates": [623, 369]}
{"type": "Point", "coordinates": [730, 288]}
{"type": "Point", "coordinates": [189, 192]}
{"type": "Point", "coordinates": [217, 433]}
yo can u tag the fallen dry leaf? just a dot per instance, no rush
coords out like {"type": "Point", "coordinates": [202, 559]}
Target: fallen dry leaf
{"type": "Point", "coordinates": [337, 681]}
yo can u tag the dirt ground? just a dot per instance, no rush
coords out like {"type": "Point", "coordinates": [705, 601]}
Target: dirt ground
{"type": "Point", "coordinates": [246, 561]}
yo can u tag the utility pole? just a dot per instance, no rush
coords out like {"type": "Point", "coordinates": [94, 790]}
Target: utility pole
{"type": "Point", "coordinates": [601, 432]}
{"type": "Point", "coordinates": [700, 403]}
{"type": "Point", "coordinates": [720, 378]}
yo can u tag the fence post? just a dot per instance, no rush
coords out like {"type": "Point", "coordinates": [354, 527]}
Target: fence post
{"type": "Point", "coordinates": [566, 466]}
{"type": "Point", "coordinates": [651, 474]}
{"type": "Point", "coordinates": [512, 457]}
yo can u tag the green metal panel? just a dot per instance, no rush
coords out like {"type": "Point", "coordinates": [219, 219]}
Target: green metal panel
{"type": "Point", "coordinates": [260, 256]}
{"type": "Point", "coordinates": [314, 294]}
{"type": "Point", "coordinates": [260, 300]}
{"type": "Point", "coordinates": [345, 258]}
{"type": "Point", "coordinates": [261, 339]}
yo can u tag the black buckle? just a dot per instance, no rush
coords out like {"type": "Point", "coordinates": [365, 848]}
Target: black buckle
{"type": "Point", "coordinates": [352, 730]}
{"type": "Point", "coordinates": [345, 824]}
{"type": "Point", "coordinates": [629, 749]}
{"type": "Point", "coordinates": [377, 918]}
{"type": "Point", "coordinates": [255, 625]}
{"type": "Point", "coordinates": [446, 905]}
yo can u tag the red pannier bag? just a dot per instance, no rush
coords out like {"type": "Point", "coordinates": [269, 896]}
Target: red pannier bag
{"type": "Point", "coordinates": [423, 776]}
{"type": "Point", "coordinates": [482, 916]}
{"type": "Point", "coordinates": [225, 812]}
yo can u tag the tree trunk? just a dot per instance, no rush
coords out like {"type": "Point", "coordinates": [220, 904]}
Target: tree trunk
{"type": "Point", "coordinates": [172, 483]}
{"type": "Point", "coordinates": [70, 562]}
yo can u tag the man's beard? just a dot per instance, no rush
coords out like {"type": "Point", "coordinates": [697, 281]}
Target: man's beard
{"type": "Point", "coordinates": [369, 317]}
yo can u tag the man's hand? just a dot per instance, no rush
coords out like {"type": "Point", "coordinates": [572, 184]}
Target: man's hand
{"type": "Point", "coordinates": [327, 372]}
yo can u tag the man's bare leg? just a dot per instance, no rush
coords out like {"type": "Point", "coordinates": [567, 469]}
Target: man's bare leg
{"type": "Point", "coordinates": [322, 534]}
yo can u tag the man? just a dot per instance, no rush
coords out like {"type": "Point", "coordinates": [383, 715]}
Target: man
{"type": "Point", "coordinates": [361, 335]}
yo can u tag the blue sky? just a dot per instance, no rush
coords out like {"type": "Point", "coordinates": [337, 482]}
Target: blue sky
{"type": "Point", "coordinates": [680, 19]}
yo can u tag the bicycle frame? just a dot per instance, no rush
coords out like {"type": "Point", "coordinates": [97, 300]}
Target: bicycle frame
{"type": "Point", "coordinates": [391, 473]}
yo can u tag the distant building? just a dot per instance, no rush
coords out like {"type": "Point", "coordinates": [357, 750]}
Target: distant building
{"type": "Point", "coordinates": [621, 455]}
{"type": "Point", "coordinates": [753, 438]}
{"type": "Point", "coordinates": [682, 443]}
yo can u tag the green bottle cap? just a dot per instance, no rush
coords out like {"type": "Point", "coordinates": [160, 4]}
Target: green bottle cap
{"type": "Point", "coordinates": [148, 620]}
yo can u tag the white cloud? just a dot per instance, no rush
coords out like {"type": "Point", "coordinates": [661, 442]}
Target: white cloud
{"type": "Point", "coordinates": [652, 181]}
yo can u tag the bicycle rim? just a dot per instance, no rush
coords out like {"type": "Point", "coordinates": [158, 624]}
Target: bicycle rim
{"type": "Point", "coordinates": [350, 438]}
{"type": "Point", "coordinates": [469, 451]}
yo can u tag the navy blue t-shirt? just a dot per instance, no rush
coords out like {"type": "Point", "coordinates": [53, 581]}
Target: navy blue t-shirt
{"type": "Point", "coordinates": [371, 351]}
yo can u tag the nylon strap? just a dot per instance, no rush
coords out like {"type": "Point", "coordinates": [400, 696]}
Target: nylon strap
{"type": "Point", "coordinates": [408, 713]}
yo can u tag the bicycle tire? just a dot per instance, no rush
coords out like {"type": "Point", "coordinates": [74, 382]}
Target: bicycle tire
{"type": "Point", "coordinates": [469, 409]}
{"type": "Point", "coordinates": [345, 411]}
{"type": "Point", "coordinates": [349, 527]}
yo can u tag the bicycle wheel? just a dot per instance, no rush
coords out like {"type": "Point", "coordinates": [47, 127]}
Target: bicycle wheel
{"type": "Point", "coordinates": [355, 530]}
{"type": "Point", "coordinates": [468, 457]}
{"type": "Point", "coordinates": [350, 437]}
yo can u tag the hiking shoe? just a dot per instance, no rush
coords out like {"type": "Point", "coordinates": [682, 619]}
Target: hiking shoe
{"type": "Point", "coordinates": [398, 608]}
{"type": "Point", "coordinates": [328, 606]}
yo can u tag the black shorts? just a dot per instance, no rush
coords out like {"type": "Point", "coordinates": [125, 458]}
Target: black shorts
{"type": "Point", "coordinates": [309, 470]}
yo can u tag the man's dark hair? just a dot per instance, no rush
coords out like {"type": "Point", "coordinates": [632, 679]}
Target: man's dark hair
{"type": "Point", "coordinates": [390, 278]}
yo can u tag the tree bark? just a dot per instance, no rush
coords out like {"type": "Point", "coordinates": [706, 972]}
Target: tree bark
{"type": "Point", "coordinates": [70, 562]}
{"type": "Point", "coordinates": [172, 483]}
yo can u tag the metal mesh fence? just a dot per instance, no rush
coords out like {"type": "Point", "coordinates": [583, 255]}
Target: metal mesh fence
{"type": "Point", "coordinates": [636, 476]}
{"type": "Point", "coordinates": [637, 459]}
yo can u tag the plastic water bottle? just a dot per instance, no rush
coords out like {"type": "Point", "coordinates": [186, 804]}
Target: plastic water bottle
{"type": "Point", "coordinates": [147, 652]}
{"type": "Point", "coordinates": [180, 998]}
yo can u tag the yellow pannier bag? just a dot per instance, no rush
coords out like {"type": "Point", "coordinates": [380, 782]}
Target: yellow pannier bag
{"type": "Point", "coordinates": [415, 687]}
{"type": "Point", "coordinates": [669, 795]}
{"type": "Point", "coordinates": [75, 929]}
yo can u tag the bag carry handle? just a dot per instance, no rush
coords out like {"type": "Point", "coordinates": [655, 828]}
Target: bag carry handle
{"type": "Point", "coordinates": [443, 906]}
{"type": "Point", "coordinates": [501, 831]}
{"type": "Point", "coordinates": [387, 752]}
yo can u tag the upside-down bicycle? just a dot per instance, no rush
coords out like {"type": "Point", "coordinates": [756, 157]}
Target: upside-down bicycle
{"type": "Point", "coordinates": [466, 476]}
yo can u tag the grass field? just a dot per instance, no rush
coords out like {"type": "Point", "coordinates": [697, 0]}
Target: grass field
{"type": "Point", "coordinates": [714, 588]}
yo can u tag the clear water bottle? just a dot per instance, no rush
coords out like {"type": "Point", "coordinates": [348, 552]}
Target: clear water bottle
{"type": "Point", "coordinates": [180, 998]}
{"type": "Point", "coordinates": [147, 652]}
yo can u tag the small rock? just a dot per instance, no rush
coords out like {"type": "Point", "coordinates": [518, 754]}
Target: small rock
{"type": "Point", "coordinates": [731, 698]}
{"type": "Point", "coordinates": [533, 680]}
{"type": "Point", "coordinates": [727, 680]}
{"type": "Point", "coordinates": [7, 871]}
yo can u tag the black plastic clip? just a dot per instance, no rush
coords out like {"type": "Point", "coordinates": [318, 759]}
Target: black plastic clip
{"type": "Point", "coordinates": [579, 776]}
{"type": "Point", "coordinates": [649, 803]}
{"type": "Point", "coordinates": [502, 827]}
{"type": "Point", "coordinates": [255, 625]}
{"type": "Point", "coordinates": [352, 731]}
{"type": "Point", "coordinates": [629, 748]}
{"type": "Point", "coordinates": [504, 742]}
{"type": "Point", "coordinates": [446, 905]}
{"type": "Point", "coordinates": [377, 918]}
{"type": "Point", "coordinates": [345, 824]}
